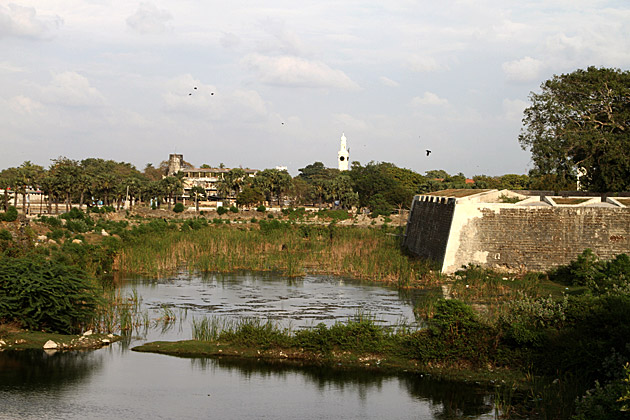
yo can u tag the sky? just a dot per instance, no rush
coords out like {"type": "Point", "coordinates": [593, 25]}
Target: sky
{"type": "Point", "coordinates": [279, 81]}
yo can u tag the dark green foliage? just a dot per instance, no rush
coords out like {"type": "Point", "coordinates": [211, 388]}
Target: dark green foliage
{"type": "Point", "coordinates": [10, 215]}
{"type": "Point", "coordinates": [77, 226]}
{"type": "Point", "coordinates": [74, 214]}
{"type": "Point", "coordinates": [294, 214]}
{"type": "Point", "coordinates": [52, 221]}
{"type": "Point", "coordinates": [261, 209]}
{"type": "Point", "coordinates": [608, 402]}
{"type": "Point", "coordinates": [581, 119]}
{"type": "Point", "coordinates": [55, 234]}
{"type": "Point", "coordinates": [193, 224]}
{"type": "Point", "coordinates": [254, 332]}
{"type": "Point", "coordinates": [178, 208]}
{"type": "Point", "coordinates": [233, 209]}
{"type": "Point", "coordinates": [46, 295]}
{"type": "Point", "coordinates": [455, 334]}
{"type": "Point", "coordinates": [5, 235]}
{"type": "Point", "coordinates": [222, 210]}
{"type": "Point", "coordinates": [599, 276]}
{"type": "Point", "coordinates": [360, 335]}
{"type": "Point", "coordinates": [267, 227]}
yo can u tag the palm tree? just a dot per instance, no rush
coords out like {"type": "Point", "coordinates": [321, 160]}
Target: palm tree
{"type": "Point", "coordinates": [172, 186]}
{"type": "Point", "coordinates": [198, 192]}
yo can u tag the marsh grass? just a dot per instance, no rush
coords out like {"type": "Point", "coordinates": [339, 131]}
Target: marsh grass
{"type": "Point", "coordinates": [122, 314]}
{"type": "Point", "coordinates": [368, 254]}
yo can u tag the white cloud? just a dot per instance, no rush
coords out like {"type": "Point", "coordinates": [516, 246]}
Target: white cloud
{"type": "Point", "coordinates": [148, 19]}
{"type": "Point", "coordinates": [429, 98]}
{"type": "Point", "coordinates": [72, 89]}
{"type": "Point", "coordinates": [389, 82]}
{"type": "Point", "coordinates": [298, 72]}
{"type": "Point", "coordinates": [24, 22]}
{"type": "Point", "coordinates": [526, 69]}
{"type": "Point", "coordinates": [10, 68]}
{"type": "Point", "coordinates": [425, 64]}
{"type": "Point", "coordinates": [23, 105]}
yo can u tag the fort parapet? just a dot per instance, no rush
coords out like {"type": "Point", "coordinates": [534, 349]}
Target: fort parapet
{"type": "Point", "coordinates": [515, 231]}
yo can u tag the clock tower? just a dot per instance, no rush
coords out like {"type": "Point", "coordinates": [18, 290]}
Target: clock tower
{"type": "Point", "coordinates": [343, 155]}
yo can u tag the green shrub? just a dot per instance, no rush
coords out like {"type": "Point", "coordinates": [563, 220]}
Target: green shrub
{"type": "Point", "coordinates": [74, 214]}
{"type": "Point", "coordinates": [46, 295]}
{"type": "Point", "coordinates": [5, 235]}
{"type": "Point", "coordinates": [10, 215]}
{"type": "Point", "coordinates": [598, 275]}
{"type": "Point", "coordinates": [222, 210]}
{"type": "Point", "coordinates": [267, 227]}
{"type": "Point", "coordinates": [77, 226]}
{"type": "Point", "coordinates": [233, 209]}
{"type": "Point", "coordinates": [178, 207]}
{"type": "Point", "coordinates": [55, 234]}
{"type": "Point", "coordinates": [261, 209]}
{"type": "Point", "coordinates": [52, 221]}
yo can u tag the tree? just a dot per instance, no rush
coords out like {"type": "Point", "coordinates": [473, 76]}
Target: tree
{"type": "Point", "coordinates": [273, 183]}
{"type": "Point", "coordinates": [65, 172]}
{"type": "Point", "coordinates": [249, 196]}
{"type": "Point", "coordinates": [197, 192]}
{"type": "Point", "coordinates": [581, 120]}
{"type": "Point", "coordinates": [172, 186]}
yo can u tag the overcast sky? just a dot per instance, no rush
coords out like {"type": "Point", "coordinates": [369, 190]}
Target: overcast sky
{"type": "Point", "coordinates": [279, 81]}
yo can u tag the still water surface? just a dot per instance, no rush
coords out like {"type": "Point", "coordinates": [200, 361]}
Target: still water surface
{"type": "Point", "coordinates": [116, 383]}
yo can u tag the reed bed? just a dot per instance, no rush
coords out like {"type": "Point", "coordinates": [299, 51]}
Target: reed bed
{"type": "Point", "coordinates": [363, 253]}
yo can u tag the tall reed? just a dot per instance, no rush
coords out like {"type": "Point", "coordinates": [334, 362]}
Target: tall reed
{"type": "Point", "coordinates": [368, 254]}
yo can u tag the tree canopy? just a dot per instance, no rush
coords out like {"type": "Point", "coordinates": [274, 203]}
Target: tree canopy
{"type": "Point", "coordinates": [581, 120]}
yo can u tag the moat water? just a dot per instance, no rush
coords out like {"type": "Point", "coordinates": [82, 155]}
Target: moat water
{"type": "Point", "coordinates": [117, 383]}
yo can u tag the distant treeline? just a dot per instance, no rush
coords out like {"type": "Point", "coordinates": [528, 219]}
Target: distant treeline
{"type": "Point", "coordinates": [380, 187]}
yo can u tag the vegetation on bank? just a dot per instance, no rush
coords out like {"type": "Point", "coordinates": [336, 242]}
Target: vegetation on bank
{"type": "Point", "coordinates": [293, 249]}
{"type": "Point", "coordinates": [569, 327]}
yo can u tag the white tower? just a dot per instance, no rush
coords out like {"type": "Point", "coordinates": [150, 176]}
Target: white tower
{"type": "Point", "coordinates": [343, 155]}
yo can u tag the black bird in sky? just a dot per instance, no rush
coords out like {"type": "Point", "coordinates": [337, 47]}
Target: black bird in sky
{"type": "Point", "coordinates": [195, 88]}
{"type": "Point", "coordinates": [428, 152]}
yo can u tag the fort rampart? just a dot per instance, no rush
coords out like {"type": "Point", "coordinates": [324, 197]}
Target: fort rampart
{"type": "Point", "coordinates": [488, 228]}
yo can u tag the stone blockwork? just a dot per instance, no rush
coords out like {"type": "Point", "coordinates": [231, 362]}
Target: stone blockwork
{"type": "Point", "coordinates": [534, 234]}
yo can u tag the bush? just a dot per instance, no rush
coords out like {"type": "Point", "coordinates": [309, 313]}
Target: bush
{"type": "Point", "coordinates": [46, 295]}
{"type": "Point", "coordinates": [599, 276]}
{"type": "Point", "coordinates": [178, 207]}
{"type": "Point", "coordinates": [52, 221]}
{"type": "Point", "coordinates": [5, 235]}
{"type": "Point", "coordinates": [234, 209]}
{"type": "Point", "coordinates": [261, 209]}
{"type": "Point", "coordinates": [77, 226]}
{"type": "Point", "coordinates": [222, 210]}
{"type": "Point", "coordinates": [74, 214]}
{"type": "Point", "coordinates": [10, 215]}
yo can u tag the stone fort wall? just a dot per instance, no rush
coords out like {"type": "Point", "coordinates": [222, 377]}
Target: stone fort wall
{"type": "Point", "coordinates": [533, 235]}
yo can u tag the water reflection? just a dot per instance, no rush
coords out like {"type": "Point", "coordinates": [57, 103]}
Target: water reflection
{"type": "Point", "coordinates": [33, 370]}
{"type": "Point", "coordinates": [448, 399]}
{"type": "Point", "coordinates": [115, 382]}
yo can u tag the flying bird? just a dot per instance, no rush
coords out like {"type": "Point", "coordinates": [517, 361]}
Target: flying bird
{"type": "Point", "coordinates": [428, 152]}
{"type": "Point", "coordinates": [195, 88]}
{"type": "Point", "coordinates": [211, 93]}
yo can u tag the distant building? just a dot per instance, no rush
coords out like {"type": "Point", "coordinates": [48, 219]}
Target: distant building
{"type": "Point", "coordinates": [343, 155]}
{"type": "Point", "coordinates": [207, 178]}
